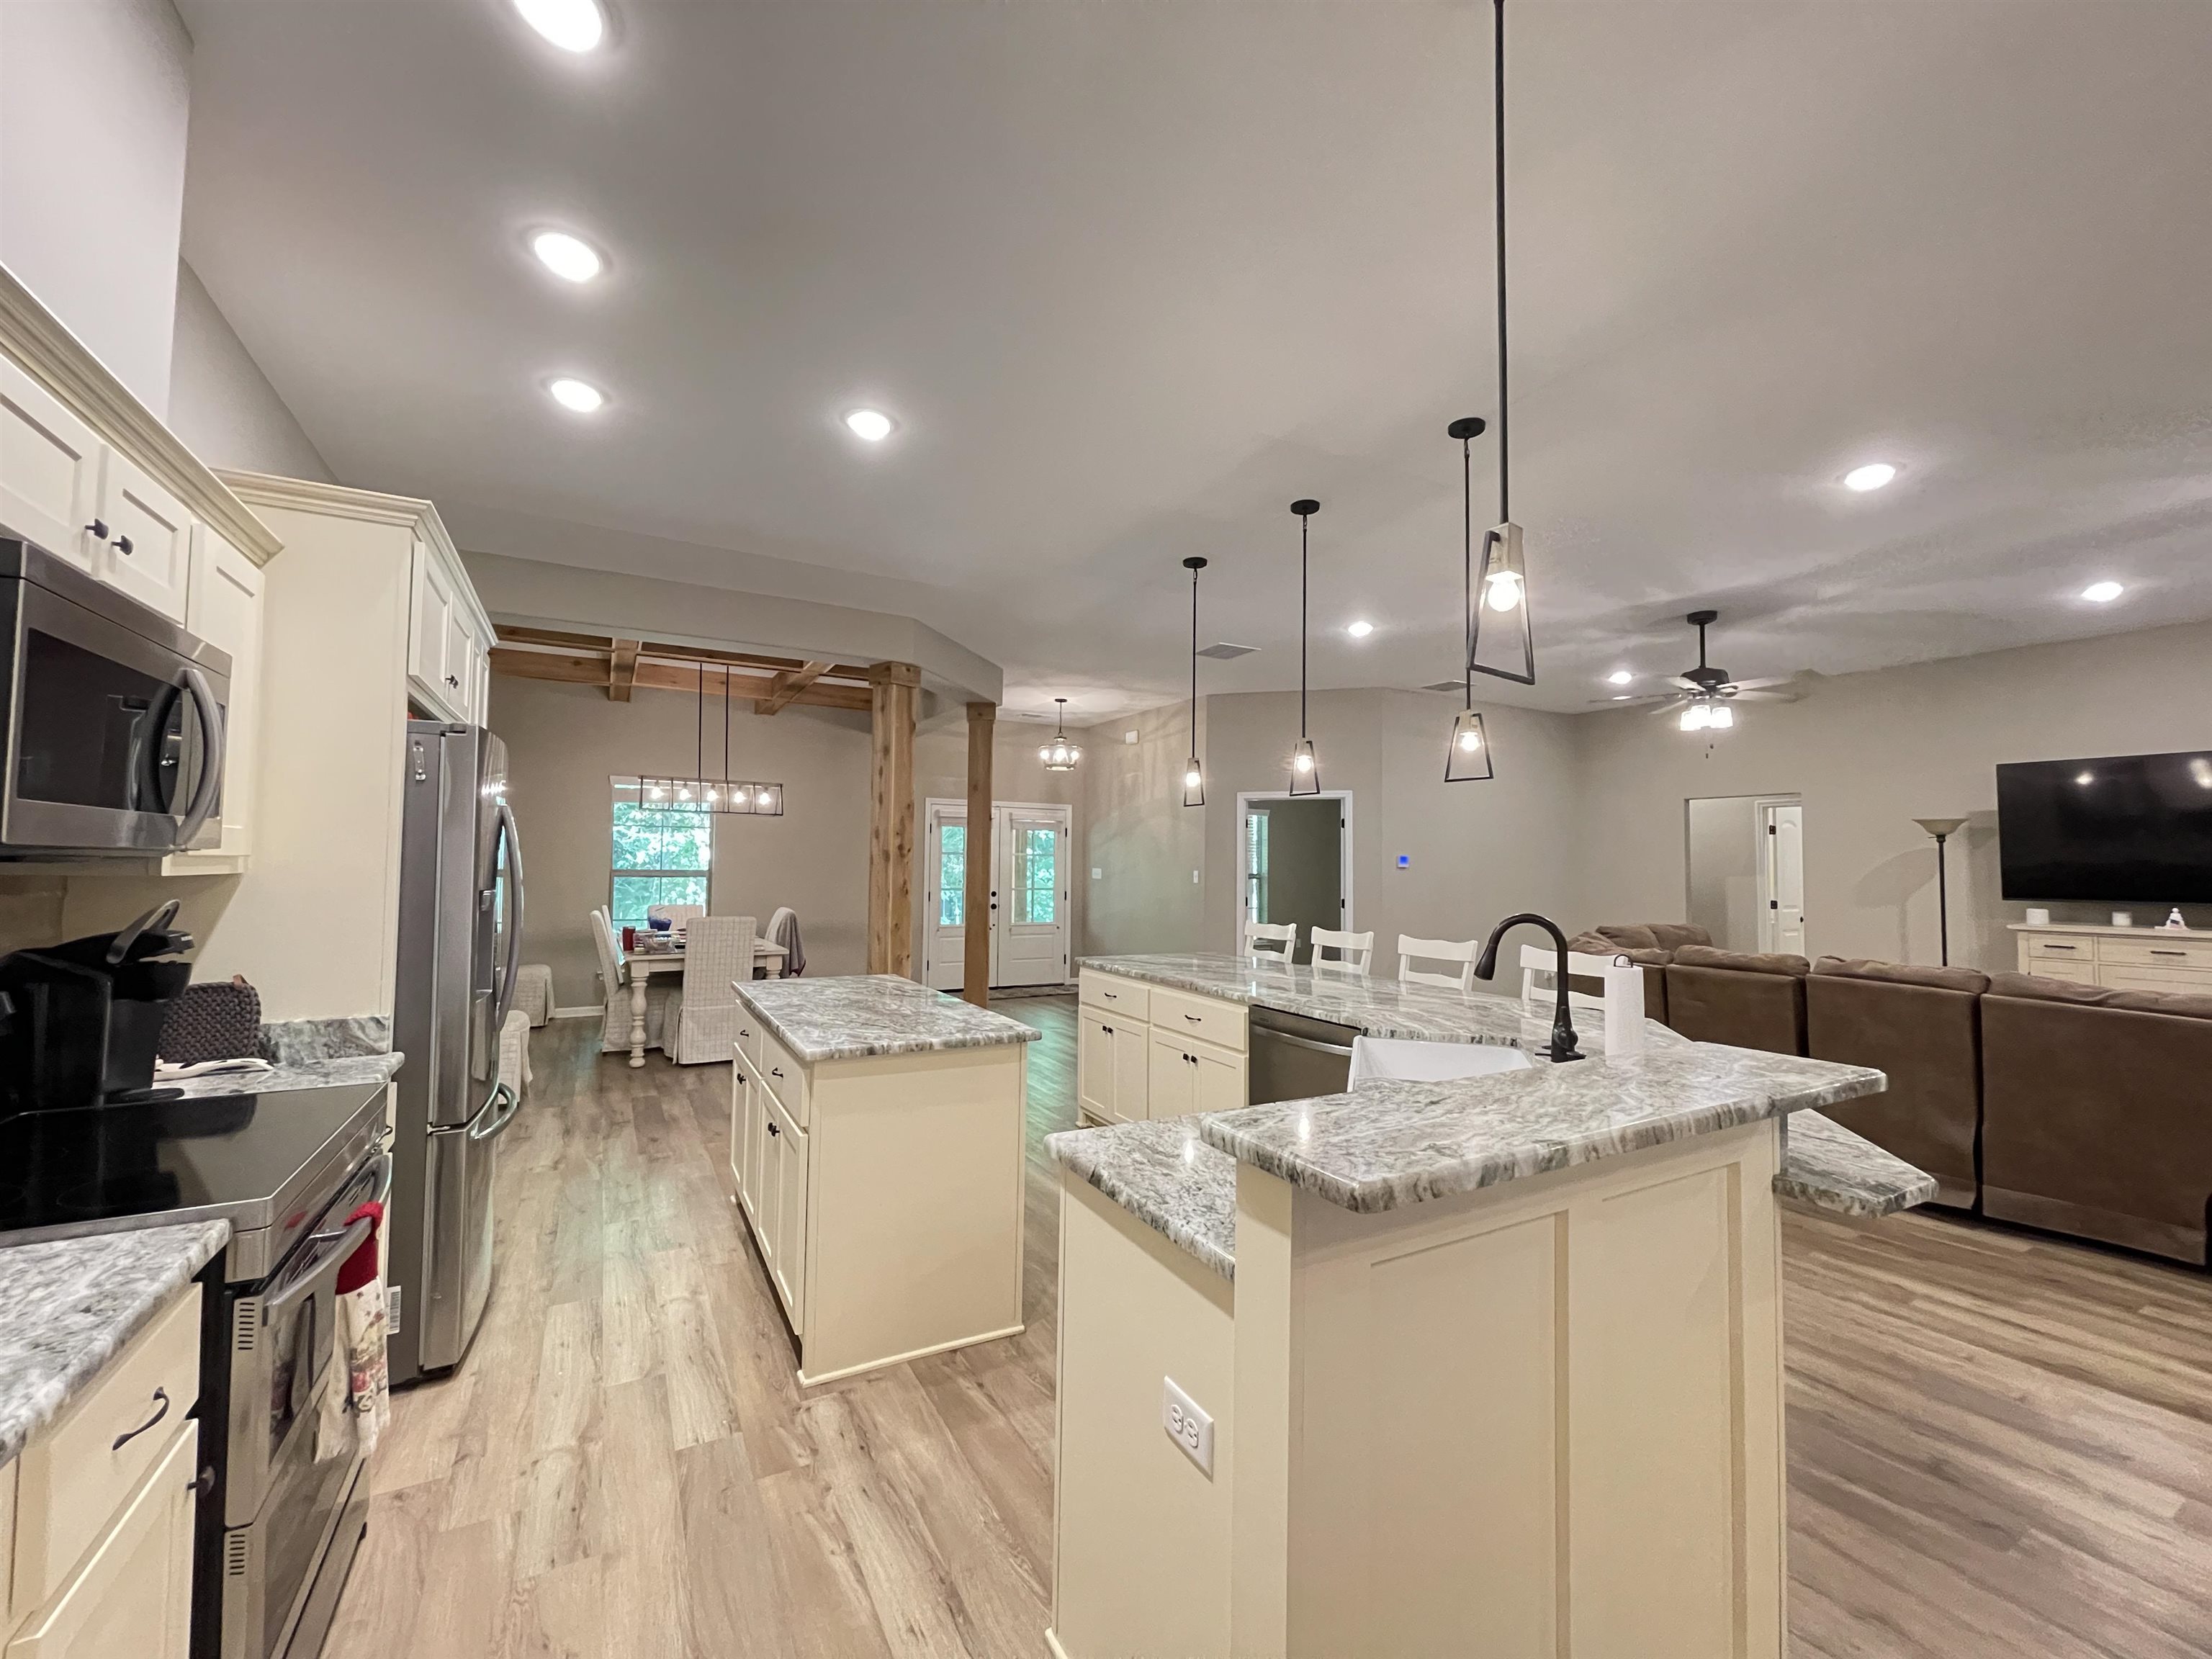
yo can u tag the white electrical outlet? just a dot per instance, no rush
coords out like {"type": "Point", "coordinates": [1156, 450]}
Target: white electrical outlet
{"type": "Point", "coordinates": [1096, 874]}
{"type": "Point", "coordinates": [1190, 1428]}
{"type": "Point", "coordinates": [1193, 877]}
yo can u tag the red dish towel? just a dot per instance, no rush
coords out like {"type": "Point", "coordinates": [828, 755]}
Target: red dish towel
{"type": "Point", "coordinates": [362, 1332]}
{"type": "Point", "coordinates": [361, 1267]}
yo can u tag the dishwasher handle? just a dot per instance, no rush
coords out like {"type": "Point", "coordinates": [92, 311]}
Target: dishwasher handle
{"type": "Point", "coordinates": [1274, 1036]}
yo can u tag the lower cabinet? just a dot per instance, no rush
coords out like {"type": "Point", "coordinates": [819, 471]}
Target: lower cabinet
{"type": "Point", "coordinates": [788, 1268]}
{"type": "Point", "coordinates": [1190, 1077]}
{"type": "Point", "coordinates": [133, 1595]}
{"type": "Point", "coordinates": [1129, 1069]}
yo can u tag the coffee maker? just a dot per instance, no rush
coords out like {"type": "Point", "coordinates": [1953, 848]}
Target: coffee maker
{"type": "Point", "coordinates": [79, 1021]}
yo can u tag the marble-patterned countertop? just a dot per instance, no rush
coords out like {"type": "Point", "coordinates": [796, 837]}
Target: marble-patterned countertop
{"type": "Point", "coordinates": [1827, 1167]}
{"type": "Point", "coordinates": [300, 1074]}
{"type": "Point", "coordinates": [67, 1308]}
{"type": "Point", "coordinates": [1377, 1007]}
{"type": "Point", "coordinates": [1392, 1143]}
{"type": "Point", "coordinates": [1163, 1174]}
{"type": "Point", "coordinates": [820, 1019]}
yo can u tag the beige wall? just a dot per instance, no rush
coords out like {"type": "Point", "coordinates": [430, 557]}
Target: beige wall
{"type": "Point", "coordinates": [564, 742]}
{"type": "Point", "coordinates": [1871, 752]}
{"type": "Point", "coordinates": [1145, 844]}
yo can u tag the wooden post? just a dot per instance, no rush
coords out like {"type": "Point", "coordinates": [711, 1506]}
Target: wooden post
{"type": "Point", "coordinates": [976, 971]}
{"type": "Point", "coordinates": [894, 689]}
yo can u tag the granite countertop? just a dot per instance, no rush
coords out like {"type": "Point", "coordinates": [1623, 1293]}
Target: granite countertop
{"type": "Point", "coordinates": [299, 1074]}
{"type": "Point", "coordinates": [1376, 1007]}
{"type": "Point", "coordinates": [1827, 1167]}
{"type": "Point", "coordinates": [67, 1308]}
{"type": "Point", "coordinates": [820, 1019]}
{"type": "Point", "coordinates": [1394, 1144]}
{"type": "Point", "coordinates": [1163, 1174]}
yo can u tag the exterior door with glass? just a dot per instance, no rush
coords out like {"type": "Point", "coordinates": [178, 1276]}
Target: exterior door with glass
{"type": "Point", "coordinates": [1030, 941]}
{"type": "Point", "coordinates": [945, 897]}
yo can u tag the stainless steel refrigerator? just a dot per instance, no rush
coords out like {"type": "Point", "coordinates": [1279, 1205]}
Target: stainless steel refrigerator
{"type": "Point", "coordinates": [460, 936]}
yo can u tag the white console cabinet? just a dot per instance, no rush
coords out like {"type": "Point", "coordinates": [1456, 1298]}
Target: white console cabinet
{"type": "Point", "coordinates": [2120, 958]}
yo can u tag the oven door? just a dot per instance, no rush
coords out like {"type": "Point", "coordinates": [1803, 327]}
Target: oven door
{"type": "Point", "coordinates": [114, 739]}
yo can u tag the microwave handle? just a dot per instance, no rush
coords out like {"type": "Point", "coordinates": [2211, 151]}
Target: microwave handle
{"type": "Point", "coordinates": [208, 790]}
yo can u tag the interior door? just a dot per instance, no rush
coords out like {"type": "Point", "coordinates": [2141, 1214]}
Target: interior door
{"type": "Point", "coordinates": [1784, 877]}
{"type": "Point", "coordinates": [945, 898]}
{"type": "Point", "coordinates": [1030, 940]}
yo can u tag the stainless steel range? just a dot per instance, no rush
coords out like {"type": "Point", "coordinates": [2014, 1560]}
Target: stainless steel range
{"type": "Point", "coordinates": [284, 1502]}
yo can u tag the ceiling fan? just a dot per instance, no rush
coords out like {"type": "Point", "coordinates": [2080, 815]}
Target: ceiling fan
{"type": "Point", "coordinates": [1704, 695]}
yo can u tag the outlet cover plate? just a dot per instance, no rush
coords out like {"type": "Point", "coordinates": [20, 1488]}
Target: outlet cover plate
{"type": "Point", "coordinates": [1188, 1425]}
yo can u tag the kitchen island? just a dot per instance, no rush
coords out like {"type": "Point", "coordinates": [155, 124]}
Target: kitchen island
{"type": "Point", "coordinates": [876, 1149]}
{"type": "Point", "coordinates": [1487, 1367]}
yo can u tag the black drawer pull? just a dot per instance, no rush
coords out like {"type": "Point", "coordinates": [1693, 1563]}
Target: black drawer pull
{"type": "Point", "coordinates": [99, 528]}
{"type": "Point", "coordinates": [1194, 1018]}
{"type": "Point", "coordinates": [773, 1130]}
{"type": "Point", "coordinates": [123, 544]}
{"type": "Point", "coordinates": [160, 1411]}
{"type": "Point", "coordinates": [775, 1071]}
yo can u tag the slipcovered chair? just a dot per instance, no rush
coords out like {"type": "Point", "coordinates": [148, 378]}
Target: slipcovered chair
{"type": "Point", "coordinates": [533, 991]}
{"type": "Point", "coordinates": [702, 1017]}
{"type": "Point", "coordinates": [2097, 1112]}
{"type": "Point", "coordinates": [1923, 1028]}
{"type": "Point", "coordinates": [1747, 1000]}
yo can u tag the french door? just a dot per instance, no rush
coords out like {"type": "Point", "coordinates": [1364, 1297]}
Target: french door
{"type": "Point", "coordinates": [1029, 917]}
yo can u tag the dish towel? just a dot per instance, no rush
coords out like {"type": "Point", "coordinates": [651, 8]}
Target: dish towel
{"type": "Point", "coordinates": [786, 933]}
{"type": "Point", "coordinates": [1429, 1062]}
{"type": "Point", "coordinates": [362, 1327]}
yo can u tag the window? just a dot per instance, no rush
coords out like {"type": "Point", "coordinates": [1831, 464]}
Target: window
{"type": "Point", "coordinates": [952, 875]}
{"type": "Point", "coordinates": [658, 857]}
{"type": "Point", "coordinates": [1255, 866]}
{"type": "Point", "coordinates": [1038, 891]}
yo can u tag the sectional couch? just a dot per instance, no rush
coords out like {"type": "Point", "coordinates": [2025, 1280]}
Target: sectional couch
{"type": "Point", "coordinates": [2066, 1107]}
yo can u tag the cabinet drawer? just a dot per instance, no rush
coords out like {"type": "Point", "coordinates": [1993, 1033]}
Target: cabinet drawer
{"type": "Point", "coordinates": [2062, 950]}
{"type": "Point", "coordinates": [2125, 976]}
{"type": "Point", "coordinates": [2079, 969]}
{"type": "Point", "coordinates": [1126, 998]}
{"type": "Point", "coordinates": [749, 1034]}
{"type": "Point", "coordinates": [1205, 1018]}
{"type": "Point", "coordinates": [2158, 953]}
{"type": "Point", "coordinates": [75, 1477]}
{"type": "Point", "coordinates": [785, 1076]}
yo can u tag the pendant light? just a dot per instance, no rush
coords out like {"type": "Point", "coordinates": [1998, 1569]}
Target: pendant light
{"type": "Point", "coordinates": [1060, 754]}
{"type": "Point", "coordinates": [1502, 589]}
{"type": "Point", "coordinates": [1194, 774]}
{"type": "Point", "coordinates": [1305, 769]}
{"type": "Point", "coordinates": [1467, 759]}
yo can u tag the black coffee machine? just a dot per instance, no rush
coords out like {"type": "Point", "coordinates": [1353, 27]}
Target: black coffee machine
{"type": "Point", "coordinates": [78, 1022]}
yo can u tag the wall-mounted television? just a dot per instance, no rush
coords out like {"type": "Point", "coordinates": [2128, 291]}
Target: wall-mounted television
{"type": "Point", "coordinates": [2128, 827]}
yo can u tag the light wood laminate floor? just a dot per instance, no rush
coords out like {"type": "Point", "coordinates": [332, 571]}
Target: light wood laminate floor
{"type": "Point", "coordinates": [1999, 1446]}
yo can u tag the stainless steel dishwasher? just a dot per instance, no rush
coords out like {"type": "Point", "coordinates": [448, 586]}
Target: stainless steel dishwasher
{"type": "Point", "coordinates": [1295, 1058]}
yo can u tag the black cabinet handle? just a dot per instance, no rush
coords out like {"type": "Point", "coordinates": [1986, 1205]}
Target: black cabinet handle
{"type": "Point", "coordinates": [773, 1130]}
{"type": "Point", "coordinates": [99, 528]}
{"type": "Point", "coordinates": [453, 680]}
{"type": "Point", "coordinates": [203, 1483]}
{"type": "Point", "coordinates": [1195, 1019]}
{"type": "Point", "coordinates": [775, 1071]}
{"type": "Point", "coordinates": [160, 1411]}
{"type": "Point", "coordinates": [123, 544]}
{"type": "Point", "coordinates": [1108, 1029]}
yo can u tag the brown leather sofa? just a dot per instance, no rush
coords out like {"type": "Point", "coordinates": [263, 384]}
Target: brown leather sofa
{"type": "Point", "coordinates": [2097, 1112]}
{"type": "Point", "coordinates": [1922, 1027]}
{"type": "Point", "coordinates": [1749, 1001]}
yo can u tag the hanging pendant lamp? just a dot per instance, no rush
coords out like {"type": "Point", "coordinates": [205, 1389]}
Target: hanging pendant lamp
{"type": "Point", "coordinates": [1305, 768]}
{"type": "Point", "coordinates": [1502, 589]}
{"type": "Point", "coordinates": [1060, 754]}
{"type": "Point", "coordinates": [1467, 759]}
{"type": "Point", "coordinates": [1194, 774]}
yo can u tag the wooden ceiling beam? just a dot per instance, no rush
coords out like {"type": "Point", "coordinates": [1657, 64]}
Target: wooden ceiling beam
{"type": "Point", "coordinates": [561, 639]}
{"type": "Point", "coordinates": [574, 669]}
{"type": "Point", "coordinates": [789, 685]}
{"type": "Point", "coordinates": [621, 670]}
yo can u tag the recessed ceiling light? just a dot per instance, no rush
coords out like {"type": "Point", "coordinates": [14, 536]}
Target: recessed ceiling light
{"type": "Point", "coordinates": [1619, 677]}
{"type": "Point", "coordinates": [571, 25]}
{"type": "Point", "coordinates": [1873, 475]}
{"type": "Point", "coordinates": [1360, 630]}
{"type": "Point", "coordinates": [570, 257]}
{"type": "Point", "coordinates": [2102, 593]}
{"type": "Point", "coordinates": [872, 424]}
{"type": "Point", "coordinates": [579, 395]}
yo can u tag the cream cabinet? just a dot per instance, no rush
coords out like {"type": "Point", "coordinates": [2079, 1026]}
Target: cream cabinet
{"type": "Point", "coordinates": [2121, 958]}
{"type": "Point", "coordinates": [101, 1559]}
{"type": "Point", "coordinates": [1143, 1052]}
{"type": "Point", "coordinates": [449, 638]}
{"type": "Point", "coordinates": [149, 548]}
{"type": "Point", "coordinates": [49, 469]}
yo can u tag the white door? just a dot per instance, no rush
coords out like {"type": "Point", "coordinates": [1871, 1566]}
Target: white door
{"type": "Point", "coordinates": [945, 897]}
{"type": "Point", "coordinates": [1030, 941]}
{"type": "Point", "coordinates": [1782, 915]}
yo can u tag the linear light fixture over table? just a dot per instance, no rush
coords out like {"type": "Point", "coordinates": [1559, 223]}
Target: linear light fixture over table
{"type": "Point", "coordinates": [699, 794]}
{"type": "Point", "coordinates": [1193, 774]}
{"type": "Point", "coordinates": [1060, 754]}
{"type": "Point", "coordinates": [1305, 769]}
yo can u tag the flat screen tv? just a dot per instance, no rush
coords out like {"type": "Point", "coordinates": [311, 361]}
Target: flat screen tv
{"type": "Point", "coordinates": [2128, 827]}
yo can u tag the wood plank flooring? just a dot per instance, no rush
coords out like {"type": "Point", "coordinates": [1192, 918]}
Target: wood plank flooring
{"type": "Point", "coordinates": [1999, 1446]}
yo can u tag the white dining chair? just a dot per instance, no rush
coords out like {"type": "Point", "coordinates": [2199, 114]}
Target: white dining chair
{"type": "Point", "coordinates": [1260, 935]}
{"type": "Point", "coordinates": [1355, 952]}
{"type": "Point", "coordinates": [615, 1034]}
{"type": "Point", "coordinates": [703, 1015]}
{"type": "Point", "coordinates": [1463, 951]}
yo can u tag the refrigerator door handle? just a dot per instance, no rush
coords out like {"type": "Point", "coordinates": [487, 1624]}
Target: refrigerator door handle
{"type": "Point", "coordinates": [512, 840]}
{"type": "Point", "coordinates": [499, 1118]}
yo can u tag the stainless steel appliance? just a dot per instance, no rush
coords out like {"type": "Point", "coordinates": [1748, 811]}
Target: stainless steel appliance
{"type": "Point", "coordinates": [113, 718]}
{"type": "Point", "coordinates": [284, 1505]}
{"type": "Point", "coordinates": [1295, 1058]}
{"type": "Point", "coordinates": [460, 932]}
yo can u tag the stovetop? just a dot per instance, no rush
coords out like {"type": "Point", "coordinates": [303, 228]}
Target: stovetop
{"type": "Point", "coordinates": [266, 1163]}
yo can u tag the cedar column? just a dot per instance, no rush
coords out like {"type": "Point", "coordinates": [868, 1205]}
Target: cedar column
{"type": "Point", "coordinates": [976, 973]}
{"type": "Point", "coordinates": [894, 688]}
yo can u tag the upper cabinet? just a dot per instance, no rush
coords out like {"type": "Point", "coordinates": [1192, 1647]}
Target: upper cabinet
{"type": "Point", "coordinates": [449, 637]}
{"type": "Point", "coordinates": [49, 469]}
{"type": "Point", "coordinates": [225, 611]}
{"type": "Point", "coordinates": [148, 535]}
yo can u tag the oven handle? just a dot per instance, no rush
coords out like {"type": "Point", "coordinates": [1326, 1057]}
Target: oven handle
{"type": "Point", "coordinates": [346, 1240]}
{"type": "Point", "coordinates": [210, 788]}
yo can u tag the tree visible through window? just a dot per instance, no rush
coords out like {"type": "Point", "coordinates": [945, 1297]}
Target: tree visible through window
{"type": "Point", "coordinates": [1040, 884]}
{"type": "Point", "coordinates": [658, 857]}
{"type": "Point", "coordinates": [952, 875]}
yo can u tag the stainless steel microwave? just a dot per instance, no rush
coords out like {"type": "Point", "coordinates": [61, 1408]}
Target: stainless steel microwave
{"type": "Point", "coordinates": [113, 719]}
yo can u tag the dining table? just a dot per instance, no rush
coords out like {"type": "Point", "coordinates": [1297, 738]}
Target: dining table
{"type": "Point", "coordinates": [641, 964]}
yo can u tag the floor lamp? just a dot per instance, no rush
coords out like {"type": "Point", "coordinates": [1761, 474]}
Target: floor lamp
{"type": "Point", "coordinates": [1943, 830]}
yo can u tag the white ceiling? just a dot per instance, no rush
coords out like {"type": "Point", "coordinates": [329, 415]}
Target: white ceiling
{"type": "Point", "coordinates": [1133, 275]}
